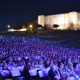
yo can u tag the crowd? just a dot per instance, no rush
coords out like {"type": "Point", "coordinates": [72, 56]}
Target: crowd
{"type": "Point", "coordinates": [38, 58]}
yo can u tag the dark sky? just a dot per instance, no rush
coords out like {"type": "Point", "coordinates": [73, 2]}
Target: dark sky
{"type": "Point", "coordinates": [24, 11]}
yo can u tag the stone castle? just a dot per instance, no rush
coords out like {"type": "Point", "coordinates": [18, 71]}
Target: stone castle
{"type": "Point", "coordinates": [64, 21]}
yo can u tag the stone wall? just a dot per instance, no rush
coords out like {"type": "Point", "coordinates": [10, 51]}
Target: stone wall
{"type": "Point", "coordinates": [41, 20]}
{"type": "Point", "coordinates": [69, 20]}
{"type": "Point", "coordinates": [78, 21]}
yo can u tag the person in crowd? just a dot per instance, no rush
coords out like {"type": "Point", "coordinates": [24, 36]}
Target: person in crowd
{"type": "Point", "coordinates": [53, 73]}
{"type": "Point", "coordinates": [63, 73]}
{"type": "Point", "coordinates": [26, 70]}
{"type": "Point", "coordinates": [47, 63]}
{"type": "Point", "coordinates": [76, 68]}
{"type": "Point", "coordinates": [4, 66]}
{"type": "Point", "coordinates": [72, 73]}
{"type": "Point", "coordinates": [69, 61]}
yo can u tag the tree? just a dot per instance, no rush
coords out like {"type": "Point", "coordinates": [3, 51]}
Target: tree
{"type": "Point", "coordinates": [40, 26]}
{"type": "Point", "coordinates": [71, 26]}
{"type": "Point", "coordinates": [55, 25]}
{"type": "Point", "coordinates": [17, 26]}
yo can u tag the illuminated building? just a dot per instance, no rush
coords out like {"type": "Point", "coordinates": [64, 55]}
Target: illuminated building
{"type": "Point", "coordinates": [64, 21]}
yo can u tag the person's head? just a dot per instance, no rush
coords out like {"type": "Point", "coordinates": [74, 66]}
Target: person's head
{"type": "Point", "coordinates": [41, 62]}
{"type": "Point", "coordinates": [68, 60]}
{"type": "Point", "coordinates": [53, 67]}
{"type": "Point", "coordinates": [60, 64]}
{"type": "Point", "coordinates": [4, 61]}
{"type": "Point", "coordinates": [70, 66]}
{"type": "Point", "coordinates": [63, 61]}
{"type": "Point", "coordinates": [76, 65]}
{"type": "Point", "coordinates": [4, 65]}
{"type": "Point", "coordinates": [48, 61]}
{"type": "Point", "coordinates": [14, 64]}
{"type": "Point", "coordinates": [26, 61]}
{"type": "Point", "coordinates": [10, 62]}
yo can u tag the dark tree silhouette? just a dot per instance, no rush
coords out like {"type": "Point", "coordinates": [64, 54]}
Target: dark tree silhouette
{"type": "Point", "coordinates": [17, 26]}
{"type": "Point", "coordinates": [55, 25]}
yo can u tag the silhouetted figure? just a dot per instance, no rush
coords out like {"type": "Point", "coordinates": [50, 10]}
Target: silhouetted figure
{"type": "Point", "coordinates": [26, 70]}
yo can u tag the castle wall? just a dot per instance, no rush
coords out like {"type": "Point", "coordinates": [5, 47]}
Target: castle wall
{"type": "Point", "coordinates": [79, 21]}
{"type": "Point", "coordinates": [73, 16]}
{"type": "Point", "coordinates": [41, 20]}
{"type": "Point", "coordinates": [69, 20]}
{"type": "Point", "coordinates": [61, 20]}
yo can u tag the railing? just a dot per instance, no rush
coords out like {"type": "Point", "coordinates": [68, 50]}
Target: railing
{"type": "Point", "coordinates": [36, 38]}
{"type": "Point", "coordinates": [17, 37]}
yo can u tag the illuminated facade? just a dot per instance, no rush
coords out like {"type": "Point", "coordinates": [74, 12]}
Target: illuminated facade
{"type": "Point", "coordinates": [64, 21]}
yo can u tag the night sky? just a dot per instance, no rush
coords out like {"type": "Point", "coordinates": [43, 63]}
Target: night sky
{"type": "Point", "coordinates": [24, 11]}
